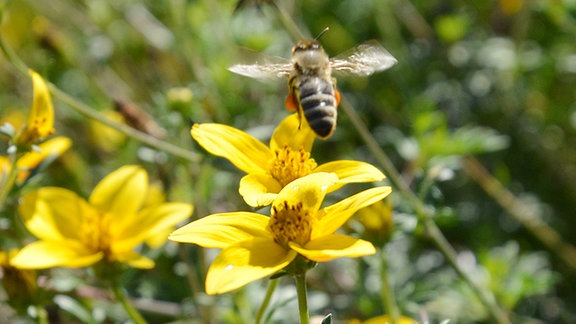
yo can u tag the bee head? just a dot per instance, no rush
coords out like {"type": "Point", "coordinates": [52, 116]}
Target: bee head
{"type": "Point", "coordinates": [307, 45]}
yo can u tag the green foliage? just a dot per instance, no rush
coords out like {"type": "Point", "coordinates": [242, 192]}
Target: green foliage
{"type": "Point", "coordinates": [491, 80]}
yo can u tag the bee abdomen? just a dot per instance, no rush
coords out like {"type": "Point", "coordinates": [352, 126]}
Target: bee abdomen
{"type": "Point", "coordinates": [318, 105]}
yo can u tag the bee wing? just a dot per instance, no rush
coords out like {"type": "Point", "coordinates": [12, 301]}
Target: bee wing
{"type": "Point", "coordinates": [262, 71]}
{"type": "Point", "coordinates": [364, 59]}
{"type": "Point", "coordinates": [261, 66]}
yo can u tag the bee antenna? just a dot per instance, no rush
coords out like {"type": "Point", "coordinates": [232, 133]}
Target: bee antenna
{"type": "Point", "coordinates": [322, 33]}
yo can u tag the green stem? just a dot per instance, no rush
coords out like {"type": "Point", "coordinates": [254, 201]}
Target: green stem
{"type": "Point", "coordinates": [288, 23]}
{"type": "Point", "coordinates": [517, 210]}
{"type": "Point", "coordinates": [390, 306]}
{"type": "Point", "coordinates": [424, 215]}
{"type": "Point", "coordinates": [134, 315]}
{"type": "Point", "coordinates": [444, 246]}
{"type": "Point", "coordinates": [302, 298]}
{"type": "Point", "coordinates": [272, 283]}
{"type": "Point", "coordinates": [8, 181]}
{"type": "Point", "coordinates": [41, 315]}
{"type": "Point", "coordinates": [127, 130]}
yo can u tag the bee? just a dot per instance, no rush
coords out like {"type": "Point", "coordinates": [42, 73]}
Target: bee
{"type": "Point", "coordinates": [312, 89]}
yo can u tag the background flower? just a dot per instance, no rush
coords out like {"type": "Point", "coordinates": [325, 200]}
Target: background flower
{"type": "Point", "coordinates": [74, 232]}
{"type": "Point", "coordinates": [40, 122]}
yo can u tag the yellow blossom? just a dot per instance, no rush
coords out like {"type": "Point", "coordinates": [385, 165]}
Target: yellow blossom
{"type": "Point", "coordinates": [104, 137]}
{"type": "Point", "coordinates": [270, 168]}
{"type": "Point", "coordinates": [40, 122]}
{"type": "Point", "coordinates": [109, 226]}
{"type": "Point", "coordinates": [255, 246]}
{"type": "Point", "coordinates": [377, 222]}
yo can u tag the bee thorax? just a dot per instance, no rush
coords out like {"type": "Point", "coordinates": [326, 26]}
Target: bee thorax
{"type": "Point", "coordinates": [311, 62]}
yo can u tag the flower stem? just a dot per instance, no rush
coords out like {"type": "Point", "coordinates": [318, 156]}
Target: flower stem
{"type": "Point", "coordinates": [288, 23]}
{"type": "Point", "coordinates": [271, 288]}
{"type": "Point", "coordinates": [8, 183]}
{"type": "Point", "coordinates": [302, 298]}
{"type": "Point", "coordinates": [134, 315]}
{"type": "Point", "coordinates": [424, 216]}
{"type": "Point", "coordinates": [390, 306]}
{"type": "Point", "coordinates": [127, 130]}
{"type": "Point", "coordinates": [41, 315]}
{"type": "Point", "coordinates": [525, 216]}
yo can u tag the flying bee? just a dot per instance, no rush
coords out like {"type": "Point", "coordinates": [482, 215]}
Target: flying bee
{"type": "Point", "coordinates": [312, 89]}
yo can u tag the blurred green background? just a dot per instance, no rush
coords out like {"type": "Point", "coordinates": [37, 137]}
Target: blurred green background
{"type": "Point", "coordinates": [490, 79]}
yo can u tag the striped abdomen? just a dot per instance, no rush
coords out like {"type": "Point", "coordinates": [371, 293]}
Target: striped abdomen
{"type": "Point", "coordinates": [318, 102]}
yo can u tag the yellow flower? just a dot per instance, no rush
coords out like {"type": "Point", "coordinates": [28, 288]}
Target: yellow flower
{"type": "Point", "coordinates": [255, 246]}
{"type": "Point", "coordinates": [40, 122]}
{"type": "Point", "coordinates": [377, 222]}
{"type": "Point", "coordinates": [271, 168]}
{"type": "Point", "coordinates": [104, 137]}
{"type": "Point", "coordinates": [74, 232]}
{"type": "Point", "coordinates": [29, 161]}
{"type": "Point", "coordinates": [385, 319]}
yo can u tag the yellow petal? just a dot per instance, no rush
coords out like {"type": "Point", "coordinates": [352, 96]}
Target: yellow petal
{"type": "Point", "coordinates": [352, 171]}
{"type": "Point", "coordinates": [41, 117]}
{"type": "Point", "coordinates": [52, 213]}
{"type": "Point", "coordinates": [244, 151]}
{"type": "Point", "coordinates": [223, 230]}
{"type": "Point", "coordinates": [334, 246]}
{"type": "Point", "coordinates": [308, 191]}
{"type": "Point", "coordinates": [290, 132]}
{"type": "Point", "coordinates": [159, 238]}
{"type": "Point", "coordinates": [135, 260]}
{"type": "Point", "coordinates": [136, 229]}
{"type": "Point", "coordinates": [121, 192]}
{"type": "Point", "coordinates": [259, 189]}
{"type": "Point", "coordinates": [247, 261]}
{"type": "Point", "coordinates": [48, 254]}
{"type": "Point", "coordinates": [332, 217]}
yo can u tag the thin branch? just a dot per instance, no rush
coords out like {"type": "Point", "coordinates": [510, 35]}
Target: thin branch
{"type": "Point", "coordinates": [523, 215]}
{"type": "Point", "coordinates": [423, 214]}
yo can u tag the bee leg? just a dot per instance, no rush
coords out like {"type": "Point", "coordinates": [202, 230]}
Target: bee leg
{"type": "Point", "coordinates": [337, 97]}
{"type": "Point", "coordinates": [291, 102]}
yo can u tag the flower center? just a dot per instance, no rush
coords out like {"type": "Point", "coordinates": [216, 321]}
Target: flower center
{"type": "Point", "coordinates": [95, 233]}
{"type": "Point", "coordinates": [289, 165]}
{"type": "Point", "coordinates": [290, 224]}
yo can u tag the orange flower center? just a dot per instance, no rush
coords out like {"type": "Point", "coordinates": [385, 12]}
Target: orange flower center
{"type": "Point", "coordinates": [290, 224]}
{"type": "Point", "coordinates": [289, 165]}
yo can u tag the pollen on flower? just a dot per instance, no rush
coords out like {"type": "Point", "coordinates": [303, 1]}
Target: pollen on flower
{"type": "Point", "coordinates": [290, 223]}
{"type": "Point", "coordinates": [289, 164]}
{"type": "Point", "coordinates": [39, 123]}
